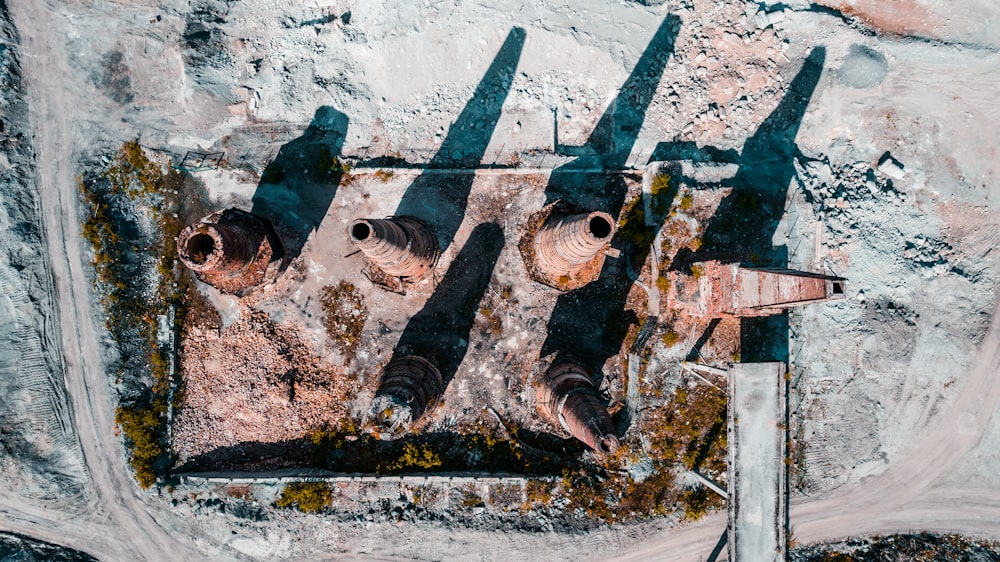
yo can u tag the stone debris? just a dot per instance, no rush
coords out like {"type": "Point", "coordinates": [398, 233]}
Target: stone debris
{"type": "Point", "coordinates": [891, 167]}
{"type": "Point", "coordinates": [276, 387]}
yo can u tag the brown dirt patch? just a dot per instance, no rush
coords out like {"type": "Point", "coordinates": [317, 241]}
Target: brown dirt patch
{"type": "Point", "coordinates": [255, 381]}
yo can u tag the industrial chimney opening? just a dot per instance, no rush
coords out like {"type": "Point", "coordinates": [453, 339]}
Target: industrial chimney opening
{"type": "Point", "coordinates": [360, 231]}
{"type": "Point", "coordinates": [199, 247]}
{"type": "Point", "coordinates": [600, 227]}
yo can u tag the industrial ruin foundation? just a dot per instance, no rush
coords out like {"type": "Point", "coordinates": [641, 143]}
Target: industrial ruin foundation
{"type": "Point", "coordinates": [415, 394]}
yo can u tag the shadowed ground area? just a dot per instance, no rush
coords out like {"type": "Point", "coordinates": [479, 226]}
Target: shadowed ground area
{"type": "Point", "coordinates": [440, 331]}
{"type": "Point", "coordinates": [745, 222]}
{"type": "Point", "coordinates": [533, 453]}
{"type": "Point", "coordinates": [15, 547]}
{"type": "Point", "coordinates": [589, 324]}
{"type": "Point", "coordinates": [440, 200]}
{"type": "Point", "coordinates": [297, 188]}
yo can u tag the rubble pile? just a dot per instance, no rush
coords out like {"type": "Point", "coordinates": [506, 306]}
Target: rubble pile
{"type": "Point", "coordinates": [276, 388]}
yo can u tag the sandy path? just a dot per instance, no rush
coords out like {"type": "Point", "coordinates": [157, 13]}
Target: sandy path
{"type": "Point", "coordinates": [910, 490]}
{"type": "Point", "coordinates": [112, 503]}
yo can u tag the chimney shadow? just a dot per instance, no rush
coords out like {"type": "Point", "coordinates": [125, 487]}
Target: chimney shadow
{"type": "Point", "coordinates": [588, 325]}
{"type": "Point", "coordinates": [440, 199]}
{"type": "Point", "coordinates": [298, 186]}
{"type": "Point", "coordinates": [610, 143]}
{"type": "Point", "coordinates": [440, 331]}
{"type": "Point", "coordinates": [745, 222]}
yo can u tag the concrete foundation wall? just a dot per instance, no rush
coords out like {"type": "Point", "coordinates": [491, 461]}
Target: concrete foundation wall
{"type": "Point", "coordinates": [757, 430]}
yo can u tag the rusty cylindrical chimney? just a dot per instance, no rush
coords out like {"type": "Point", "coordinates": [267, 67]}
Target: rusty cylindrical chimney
{"type": "Point", "coordinates": [223, 249]}
{"type": "Point", "coordinates": [399, 246]}
{"type": "Point", "coordinates": [409, 386]}
{"type": "Point", "coordinates": [567, 394]}
{"type": "Point", "coordinates": [566, 243]}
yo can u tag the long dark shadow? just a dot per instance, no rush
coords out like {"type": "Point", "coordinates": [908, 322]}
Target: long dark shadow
{"type": "Point", "coordinates": [745, 222]}
{"type": "Point", "coordinates": [611, 141]}
{"type": "Point", "coordinates": [368, 455]}
{"type": "Point", "coordinates": [440, 331]}
{"type": "Point", "coordinates": [695, 351]}
{"type": "Point", "coordinates": [440, 200]}
{"type": "Point", "coordinates": [588, 325]}
{"type": "Point", "coordinates": [297, 188]}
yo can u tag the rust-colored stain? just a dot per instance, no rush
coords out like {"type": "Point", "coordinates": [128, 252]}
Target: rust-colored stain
{"type": "Point", "coordinates": [891, 17]}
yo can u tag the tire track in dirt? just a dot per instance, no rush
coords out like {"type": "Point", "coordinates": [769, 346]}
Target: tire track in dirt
{"type": "Point", "coordinates": [112, 502]}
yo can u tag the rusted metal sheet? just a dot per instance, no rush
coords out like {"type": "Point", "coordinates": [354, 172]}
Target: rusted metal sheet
{"type": "Point", "coordinates": [564, 244]}
{"type": "Point", "coordinates": [565, 248]}
{"type": "Point", "coordinates": [761, 288]}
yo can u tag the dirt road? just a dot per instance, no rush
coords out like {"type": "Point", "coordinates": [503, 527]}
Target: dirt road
{"type": "Point", "coordinates": [112, 507]}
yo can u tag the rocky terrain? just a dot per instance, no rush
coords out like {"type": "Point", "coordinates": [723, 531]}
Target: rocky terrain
{"type": "Point", "coordinates": [24, 549]}
{"type": "Point", "coordinates": [39, 453]}
{"type": "Point", "coordinates": [869, 120]}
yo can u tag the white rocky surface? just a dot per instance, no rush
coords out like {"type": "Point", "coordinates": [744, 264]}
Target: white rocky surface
{"type": "Point", "coordinates": [39, 453]}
